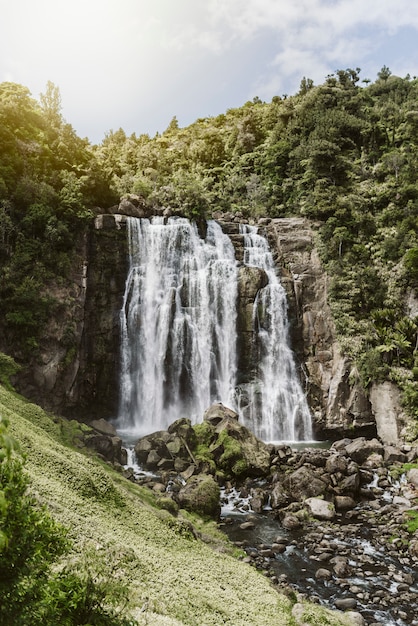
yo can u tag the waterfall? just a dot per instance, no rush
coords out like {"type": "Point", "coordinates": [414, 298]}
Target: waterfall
{"type": "Point", "coordinates": [178, 323]}
{"type": "Point", "coordinates": [274, 406]}
{"type": "Point", "coordinates": [179, 333]}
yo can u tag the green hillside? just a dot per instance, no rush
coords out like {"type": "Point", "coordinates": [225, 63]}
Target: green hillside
{"type": "Point", "coordinates": [130, 547]}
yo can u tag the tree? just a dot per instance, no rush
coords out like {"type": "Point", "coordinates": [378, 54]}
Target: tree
{"type": "Point", "coordinates": [29, 538]}
{"type": "Point", "coordinates": [305, 85]}
{"type": "Point", "coordinates": [384, 73]}
{"type": "Point", "coordinates": [51, 103]}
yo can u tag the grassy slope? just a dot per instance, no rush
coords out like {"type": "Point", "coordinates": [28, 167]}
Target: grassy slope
{"type": "Point", "coordinates": [180, 580]}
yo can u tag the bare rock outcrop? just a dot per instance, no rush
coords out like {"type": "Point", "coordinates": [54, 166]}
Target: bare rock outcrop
{"type": "Point", "coordinates": [338, 402]}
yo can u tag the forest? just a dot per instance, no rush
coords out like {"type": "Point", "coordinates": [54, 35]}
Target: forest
{"type": "Point", "coordinates": [343, 154]}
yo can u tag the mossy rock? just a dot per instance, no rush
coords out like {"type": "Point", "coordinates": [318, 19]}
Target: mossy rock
{"type": "Point", "coordinates": [201, 495]}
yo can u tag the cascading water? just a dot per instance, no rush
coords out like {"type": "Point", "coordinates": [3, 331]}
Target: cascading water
{"type": "Point", "coordinates": [274, 406]}
{"type": "Point", "coordinates": [178, 323]}
{"type": "Point", "coordinates": [179, 337]}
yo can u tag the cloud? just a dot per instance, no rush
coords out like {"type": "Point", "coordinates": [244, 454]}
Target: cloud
{"type": "Point", "coordinates": [136, 63]}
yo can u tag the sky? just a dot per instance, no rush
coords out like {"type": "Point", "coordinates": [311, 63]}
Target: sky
{"type": "Point", "coordinates": [135, 64]}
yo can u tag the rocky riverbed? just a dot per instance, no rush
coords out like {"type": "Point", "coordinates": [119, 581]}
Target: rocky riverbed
{"type": "Point", "coordinates": [362, 560]}
{"type": "Point", "coordinates": [337, 525]}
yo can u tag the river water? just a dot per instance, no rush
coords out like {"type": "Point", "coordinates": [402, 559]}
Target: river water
{"type": "Point", "coordinates": [374, 575]}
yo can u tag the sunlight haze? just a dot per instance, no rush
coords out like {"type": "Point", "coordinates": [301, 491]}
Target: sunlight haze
{"type": "Point", "coordinates": [135, 63]}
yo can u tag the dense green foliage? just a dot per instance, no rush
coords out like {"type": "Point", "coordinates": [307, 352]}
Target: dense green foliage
{"type": "Point", "coordinates": [343, 154]}
{"type": "Point", "coordinates": [50, 183]}
{"type": "Point", "coordinates": [36, 585]}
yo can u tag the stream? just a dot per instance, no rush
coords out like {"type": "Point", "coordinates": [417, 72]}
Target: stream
{"type": "Point", "coordinates": [370, 579]}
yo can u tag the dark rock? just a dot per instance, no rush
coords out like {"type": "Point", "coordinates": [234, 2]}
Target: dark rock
{"type": "Point", "coordinates": [349, 485]}
{"type": "Point", "coordinates": [200, 495]}
{"type": "Point", "coordinates": [361, 449]}
{"type": "Point", "coordinates": [345, 604]}
{"type": "Point", "coordinates": [304, 483]}
{"type": "Point", "coordinates": [393, 455]}
{"type": "Point", "coordinates": [110, 448]}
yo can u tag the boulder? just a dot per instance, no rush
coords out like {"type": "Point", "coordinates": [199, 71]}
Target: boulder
{"type": "Point", "coordinates": [235, 449]}
{"type": "Point", "coordinates": [200, 495]}
{"type": "Point", "coordinates": [320, 509]}
{"type": "Point", "coordinates": [304, 483]}
{"type": "Point", "coordinates": [167, 449]}
{"type": "Point", "coordinates": [361, 448]}
{"type": "Point", "coordinates": [412, 476]}
{"type": "Point", "coordinates": [344, 503]}
{"type": "Point", "coordinates": [323, 574]}
{"type": "Point", "coordinates": [291, 522]}
{"type": "Point", "coordinates": [278, 497]}
{"type": "Point", "coordinates": [393, 454]}
{"type": "Point", "coordinates": [345, 604]}
{"type": "Point", "coordinates": [349, 485]}
{"type": "Point", "coordinates": [183, 429]}
{"type": "Point", "coordinates": [104, 427]}
{"type": "Point", "coordinates": [110, 448]}
{"type": "Point", "coordinates": [218, 412]}
{"type": "Point", "coordinates": [336, 463]}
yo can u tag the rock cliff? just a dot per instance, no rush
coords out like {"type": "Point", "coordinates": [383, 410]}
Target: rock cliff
{"type": "Point", "coordinates": [78, 369]}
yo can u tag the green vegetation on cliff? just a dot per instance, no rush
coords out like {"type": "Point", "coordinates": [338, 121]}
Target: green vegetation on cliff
{"type": "Point", "coordinates": [120, 559]}
{"type": "Point", "coordinates": [343, 154]}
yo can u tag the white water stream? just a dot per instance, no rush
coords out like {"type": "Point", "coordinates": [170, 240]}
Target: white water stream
{"type": "Point", "coordinates": [274, 406]}
{"type": "Point", "coordinates": [179, 337]}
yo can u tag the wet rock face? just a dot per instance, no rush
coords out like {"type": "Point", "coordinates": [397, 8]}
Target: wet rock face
{"type": "Point", "coordinates": [77, 372]}
{"type": "Point", "coordinates": [222, 445]}
{"type": "Point", "coordinates": [338, 402]}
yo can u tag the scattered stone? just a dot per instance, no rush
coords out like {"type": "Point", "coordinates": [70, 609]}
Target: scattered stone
{"type": "Point", "coordinates": [320, 509]}
{"type": "Point", "coordinates": [247, 525]}
{"type": "Point", "coordinates": [345, 604]}
{"type": "Point", "coordinates": [323, 574]}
